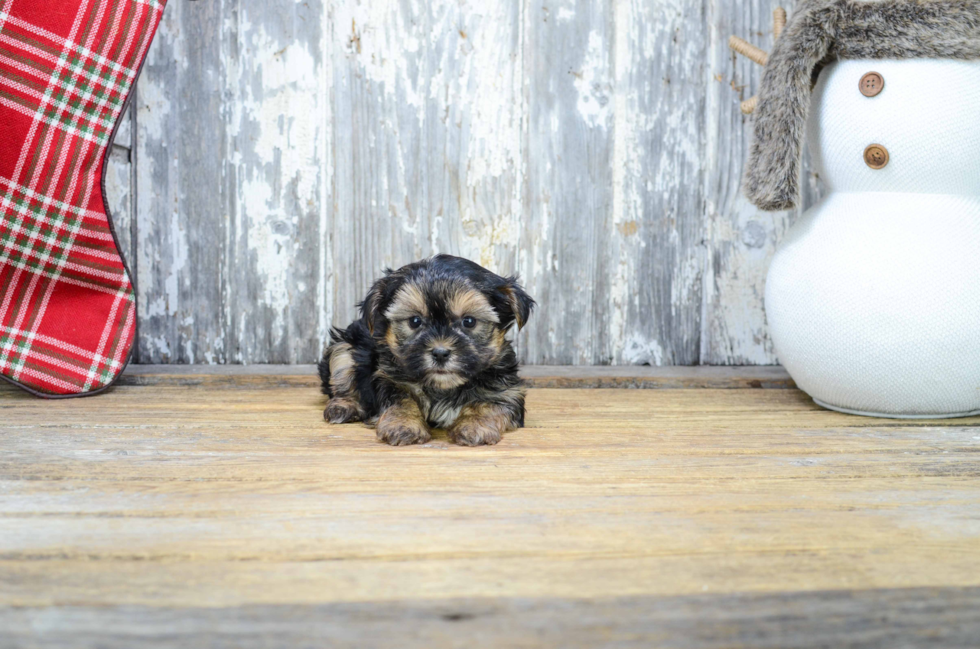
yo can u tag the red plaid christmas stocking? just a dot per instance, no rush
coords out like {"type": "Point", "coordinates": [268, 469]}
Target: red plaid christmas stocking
{"type": "Point", "coordinates": [67, 307]}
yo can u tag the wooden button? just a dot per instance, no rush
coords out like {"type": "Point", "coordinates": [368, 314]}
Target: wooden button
{"type": "Point", "coordinates": [871, 84]}
{"type": "Point", "coordinates": [876, 156]}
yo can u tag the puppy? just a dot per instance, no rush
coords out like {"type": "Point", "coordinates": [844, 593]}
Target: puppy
{"type": "Point", "coordinates": [429, 351]}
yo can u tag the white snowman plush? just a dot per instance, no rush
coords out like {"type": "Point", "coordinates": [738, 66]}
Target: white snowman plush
{"type": "Point", "coordinates": [873, 297]}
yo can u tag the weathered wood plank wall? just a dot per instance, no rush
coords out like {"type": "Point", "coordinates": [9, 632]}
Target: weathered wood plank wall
{"type": "Point", "coordinates": [281, 154]}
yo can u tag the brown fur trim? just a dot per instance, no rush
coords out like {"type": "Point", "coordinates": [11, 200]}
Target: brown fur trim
{"type": "Point", "coordinates": [822, 30]}
{"type": "Point", "coordinates": [464, 301]}
{"type": "Point", "coordinates": [408, 301]}
{"type": "Point", "coordinates": [340, 360]}
{"type": "Point", "coordinates": [521, 312]}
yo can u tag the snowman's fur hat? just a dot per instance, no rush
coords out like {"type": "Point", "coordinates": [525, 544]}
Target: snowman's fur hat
{"type": "Point", "coordinates": [820, 31]}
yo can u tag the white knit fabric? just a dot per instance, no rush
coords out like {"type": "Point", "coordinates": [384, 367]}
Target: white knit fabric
{"type": "Point", "coordinates": [873, 298]}
{"type": "Point", "coordinates": [927, 116]}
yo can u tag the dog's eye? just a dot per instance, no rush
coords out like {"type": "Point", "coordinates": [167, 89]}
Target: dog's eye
{"type": "Point", "coordinates": [469, 322]}
{"type": "Point", "coordinates": [415, 322]}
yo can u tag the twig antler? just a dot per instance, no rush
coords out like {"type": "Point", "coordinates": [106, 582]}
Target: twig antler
{"type": "Point", "coordinates": [753, 53]}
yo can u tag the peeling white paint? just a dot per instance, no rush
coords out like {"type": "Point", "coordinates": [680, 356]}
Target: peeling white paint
{"type": "Point", "coordinates": [475, 83]}
{"type": "Point", "coordinates": [153, 120]}
{"type": "Point", "coordinates": [623, 157]}
{"type": "Point", "coordinates": [119, 195]}
{"type": "Point", "coordinates": [638, 351]}
{"type": "Point", "coordinates": [565, 14]}
{"type": "Point", "coordinates": [325, 163]}
{"type": "Point", "coordinates": [282, 127]}
{"type": "Point", "coordinates": [592, 82]}
{"type": "Point", "coordinates": [737, 310]}
{"type": "Point", "coordinates": [440, 102]}
{"type": "Point", "coordinates": [178, 261]}
{"type": "Point", "coordinates": [157, 344]}
{"type": "Point", "coordinates": [369, 29]}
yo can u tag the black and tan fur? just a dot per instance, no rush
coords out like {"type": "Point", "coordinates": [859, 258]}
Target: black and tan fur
{"type": "Point", "coordinates": [823, 30]}
{"type": "Point", "coordinates": [430, 351]}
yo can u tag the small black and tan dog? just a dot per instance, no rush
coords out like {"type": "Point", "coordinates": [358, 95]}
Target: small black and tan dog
{"type": "Point", "coordinates": [430, 351]}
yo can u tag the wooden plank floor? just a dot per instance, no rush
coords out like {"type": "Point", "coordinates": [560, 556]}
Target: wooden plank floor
{"type": "Point", "coordinates": [217, 509]}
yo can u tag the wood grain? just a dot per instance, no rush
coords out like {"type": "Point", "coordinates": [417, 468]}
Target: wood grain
{"type": "Point", "coordinates": [903, 618]}
{"type": "Point", "coordinates": [275, 118]}
{"type": "Point", "coordinates": [119, 187]}
{"type": "Point", "coordinates": [285, 153]}
{"type": "Point", "coordinates": [538, 376]}
{"type": "Point", "coordinates": [740, 239]}
{"type": "Point", "coordinates": [648, 294]}
{"type": "Point", "coordinates": [182, 189]}
{"type": "Point", "coordinates": [176, 497]}
{"type": "Point", "coordinates": [230, 185]}
{"type": "Point", "coordinates": [427, 132]}
{"type": "Point", "coordinates": [570, 80]}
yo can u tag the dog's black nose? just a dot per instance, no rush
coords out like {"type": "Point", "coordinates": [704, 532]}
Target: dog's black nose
{"type": "Point", "coordinates": [441, 354]}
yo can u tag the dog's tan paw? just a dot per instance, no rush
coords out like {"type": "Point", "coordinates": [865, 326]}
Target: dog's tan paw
{"type": "Point", "coordinates": [402, 426]}
{"type": "Point", "coordinates": [341, 411]}
{"type": "Point", "coordinates": [474, 432]}
{"type": "Point", "coordinates": [403, 434]}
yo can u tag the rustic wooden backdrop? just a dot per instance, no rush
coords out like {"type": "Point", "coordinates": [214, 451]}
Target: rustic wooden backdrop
{"type": "Point", "coordinates": [279, 154]}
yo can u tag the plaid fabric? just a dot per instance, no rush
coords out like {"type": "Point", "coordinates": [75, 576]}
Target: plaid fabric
{"type": "Point", "coordinates": [67, 308]}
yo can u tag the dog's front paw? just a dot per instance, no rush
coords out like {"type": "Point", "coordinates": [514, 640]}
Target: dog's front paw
{"type": "Point", "coordinates": [341, 411]}
{"type": "Point", "coordinates": [474, 432]}
{"type": "Point", "coordinates": [403, 434]}
{"type": "Point", "coordinates": [400, 429]}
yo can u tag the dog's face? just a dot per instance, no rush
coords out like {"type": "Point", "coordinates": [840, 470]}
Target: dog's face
{"type": "Point", "coordinates": [445, 319]}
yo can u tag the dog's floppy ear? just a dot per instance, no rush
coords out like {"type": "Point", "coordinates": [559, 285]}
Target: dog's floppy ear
{"type": "Point", "coordinates": [374, 305]}
{"type": "Point", "coordinates": [518, 303]}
